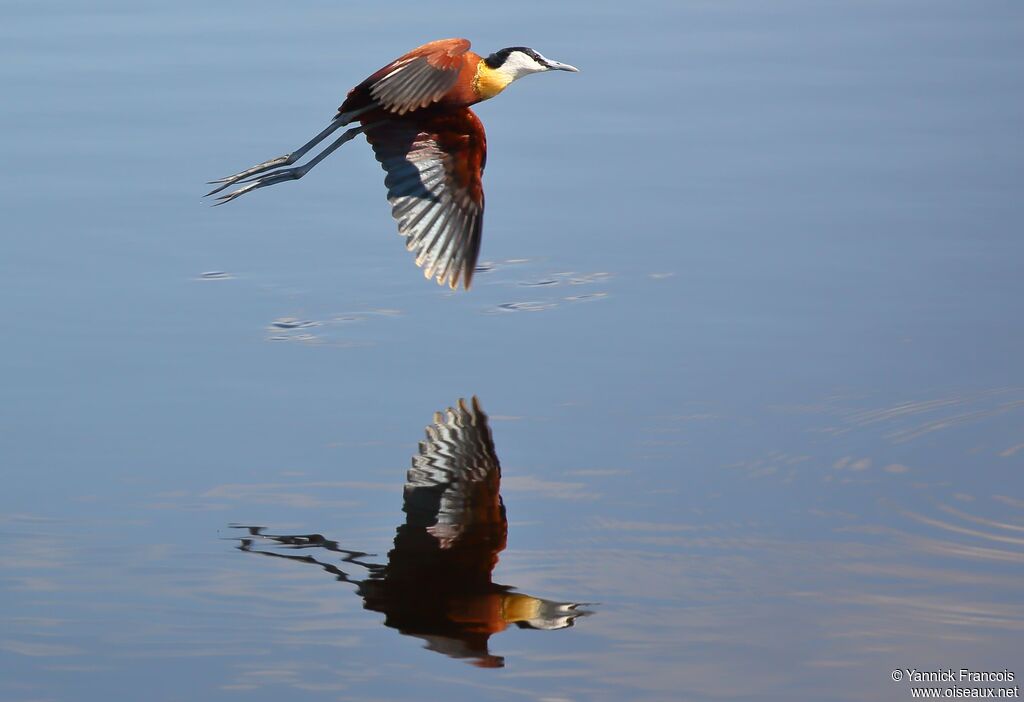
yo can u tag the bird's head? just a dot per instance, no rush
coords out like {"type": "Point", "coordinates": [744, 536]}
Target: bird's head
{"type": "Point", "coordinates": [502, 67]}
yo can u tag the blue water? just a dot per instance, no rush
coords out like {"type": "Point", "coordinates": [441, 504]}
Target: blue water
{"type": "Point", "coordinates": [748, 332]}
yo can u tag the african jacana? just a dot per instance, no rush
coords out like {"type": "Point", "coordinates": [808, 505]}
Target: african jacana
{"type": "Point", "coordinates": [415, 114]}
{"type": "Point", "coordinates": [437, 583]}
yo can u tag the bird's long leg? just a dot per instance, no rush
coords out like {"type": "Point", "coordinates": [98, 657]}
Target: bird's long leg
{"type": "Point", "coordinates": [282, 174]}
{"type": "Point", "coordinates": [286, 160]}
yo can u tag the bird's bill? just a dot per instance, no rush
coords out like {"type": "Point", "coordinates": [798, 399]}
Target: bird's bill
{"type": "Point", "coordinates": [556, 66]}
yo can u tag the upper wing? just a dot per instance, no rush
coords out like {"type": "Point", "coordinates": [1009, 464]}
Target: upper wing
{"type": "Point", "coordinates": [419, 78]}
{"type": "Point", "coordinates": [434, 167]}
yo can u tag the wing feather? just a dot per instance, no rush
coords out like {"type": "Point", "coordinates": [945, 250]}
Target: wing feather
{"type": "Point", "coordinates": [434, 166]}
{"type": "Point", "coordinates": [453, 485]}
{"type": "Point", "coordinates": [420, 78]}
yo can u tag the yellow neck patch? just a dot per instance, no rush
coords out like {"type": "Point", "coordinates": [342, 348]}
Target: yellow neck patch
{"type": "Point", "coordinates": [488, 81]}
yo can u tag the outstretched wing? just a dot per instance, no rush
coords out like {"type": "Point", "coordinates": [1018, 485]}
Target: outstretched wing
{"type": "Point", "coordinates": [434, 166]}
{"type": "Point", "coordinates": [419, 78]}
{"type": "Point", "coordinates": [452, 489]}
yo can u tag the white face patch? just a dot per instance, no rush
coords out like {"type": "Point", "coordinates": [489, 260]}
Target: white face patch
{"type": "Point", "coordinates": [519, 64]}
{"type": "Point", "coordinates": [515, 63]}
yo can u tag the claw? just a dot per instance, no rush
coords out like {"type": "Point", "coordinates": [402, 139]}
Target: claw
{"type": "Point", "coordinates": [230, 180]}
{"type": "Point", "coordinates": [261, 182]}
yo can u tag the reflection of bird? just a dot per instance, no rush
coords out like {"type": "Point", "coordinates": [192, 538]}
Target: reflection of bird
{"type": "Point", "coordinates": [437, 583]}
{"type": "Point", "coordinates": [415, 113]}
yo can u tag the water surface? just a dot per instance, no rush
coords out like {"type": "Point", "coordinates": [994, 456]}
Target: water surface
{"type": "Point", "coordinates": [747, 331]}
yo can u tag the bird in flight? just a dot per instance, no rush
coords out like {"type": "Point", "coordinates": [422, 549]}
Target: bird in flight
{"type": "Point", "coordinates": [415, 114]}
{"type": "Point", "coordinates": [437, 584]}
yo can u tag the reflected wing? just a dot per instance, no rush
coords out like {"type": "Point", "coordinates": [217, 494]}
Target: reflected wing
{"type": "Point", "coordinates": [454, 482]}
{"type": "Point", "coordinates": [419, 78]}
{"type": "Point", "coordinates": [434, 167]}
